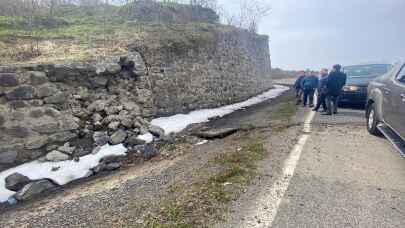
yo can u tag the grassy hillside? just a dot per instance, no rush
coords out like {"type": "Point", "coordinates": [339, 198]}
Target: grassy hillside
{"type": "Point", "coordinates": [75, 33]}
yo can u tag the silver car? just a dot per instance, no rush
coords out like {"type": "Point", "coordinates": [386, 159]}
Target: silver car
{"type": "Point", "coordinates": [385, 108]}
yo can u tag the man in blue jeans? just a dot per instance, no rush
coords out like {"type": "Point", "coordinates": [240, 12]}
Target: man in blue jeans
{"type": "Point", "coordinates": [309, 84]}
{"type": "Point", "coordinates": [334, 85]}
{"type": "Point", "coordinates": [297, 85]}
{"type": "Point", "coordinates": [322, 91]}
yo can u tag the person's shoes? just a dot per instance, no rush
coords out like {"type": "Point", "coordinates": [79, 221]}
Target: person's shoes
{"type": "Point", "coordinates": [315, 110]}
{"type": "Point", "coordinates": [324, 110]}
{"type": "Point", "coordinates": [311, 105]}
{"type": "Point", "coordinates": [335, 113]}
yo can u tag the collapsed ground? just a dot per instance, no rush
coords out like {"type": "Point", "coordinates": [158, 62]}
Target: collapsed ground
{"type": "Point", "coordinates": [186, 186]}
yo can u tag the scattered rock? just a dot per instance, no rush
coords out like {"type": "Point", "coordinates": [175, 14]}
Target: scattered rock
{"type": "Point", "coordinates": [80, 152]}
{"type": "Point", "coordinates": [12, 200]}
{"type": "Point", "coordinates": [96, 117]}
{"type": "Point", "coordinates": [216, 133]}
{"type": "Point", "coordinates": [156, 131]}
{"type": "Point", "coordinates": [127, 122]}
{"type": "Point", "coordinates": [67, 149]}
{"type": "Point", "coordinates": [99, 81]}
{"type": "Point", "coordinates": [56, 156]}
{"type": "Point", "coordinates": [170, 138]}
{"type": "Point", "coordinates": [114, 125]}
{"type": "Point", "coordinates": [118, 137]}
{"type": "Point", "coordinates": [96, 150]}
{"type": "Point", "coordinates": [51, 147]}
{"type": "Point", "coordinates": [100, 138]}
{"type": "Point", "coordinates": [112, 166]}
{"type": "Point", "coordinates": [134, 141]}
{"type": "Point", "coordinates": [97, 126]}
{"type": "Point", "coordinates": [149, 152]}
{"type": "Point", "coordinates": [132, 107]}
{"type": "Point", "coordinates": [99, 168]}
{"type": "Point", "coordinates": [55, 168]}
{"type": "Point", "coordinates": [192, 139]}
{"type": "Point", "coordinates": [33, 189]}
{"type": "Point", "coordinates": [97, 106]}
{"type": "Point", "coordinates": [112, 159]}
{"type": "Point", "coordinates": [16, 181]}
{"type": "Point", "coordinates": [113, 109]}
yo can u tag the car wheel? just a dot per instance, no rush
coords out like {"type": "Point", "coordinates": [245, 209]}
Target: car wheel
{"type": "Point", "coordinates": [372, 121]}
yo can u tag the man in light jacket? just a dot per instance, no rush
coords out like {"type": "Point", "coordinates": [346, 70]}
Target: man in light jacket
{"type": "Point", "coordinates": [309, 84]}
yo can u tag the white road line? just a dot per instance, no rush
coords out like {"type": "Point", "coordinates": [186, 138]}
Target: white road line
{"type": "Point", "coordinates": [269, 202]}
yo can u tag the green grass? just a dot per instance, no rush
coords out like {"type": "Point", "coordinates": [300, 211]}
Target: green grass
{"type": "Point", "coordinates": [195, 204]}
{"type": "Point", "coordinates": [89, 37]}
{"type": "Point", "coordinates": [285, 111]}
{"type": "Point", "coordinates": [11, 27]}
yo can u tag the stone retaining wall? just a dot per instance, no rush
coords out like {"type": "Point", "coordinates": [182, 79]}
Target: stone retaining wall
{"type": "Point", "coordinates": [44, 106]}
{"type": "Point", "coordinates": [227, 67]}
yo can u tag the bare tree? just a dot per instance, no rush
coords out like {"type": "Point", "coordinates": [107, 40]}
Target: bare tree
{"type": "Point", "coordinates": [248, 16]}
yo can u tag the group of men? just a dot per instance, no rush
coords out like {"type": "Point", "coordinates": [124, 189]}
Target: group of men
{"type": "Point", "coordinates": [327, 85]}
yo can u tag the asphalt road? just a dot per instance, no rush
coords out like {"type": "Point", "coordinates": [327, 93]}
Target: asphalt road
{"type": "Point", "coordinates": [344, 178]}
{"type": "Point", "coordinates": [337, 175]}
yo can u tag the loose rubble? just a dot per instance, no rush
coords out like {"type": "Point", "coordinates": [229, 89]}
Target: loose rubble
{"type": "Point", "coordinates": [33, 189]}
{"type": "Point", "coordinates": [15, 182]}
{"type": "Point", "coordinates": [56, 156]}
{"type": "Point", "coordinates": [30, 179]}
{"type": "Point", "coordinates": [216, 133]}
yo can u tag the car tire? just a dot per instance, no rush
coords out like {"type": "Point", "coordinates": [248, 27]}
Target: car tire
{"type": "Point", "coordinates": [372, 120]}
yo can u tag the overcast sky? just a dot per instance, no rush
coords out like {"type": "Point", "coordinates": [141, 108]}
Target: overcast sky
{"type": "Point", "coordinates": [318, 33]}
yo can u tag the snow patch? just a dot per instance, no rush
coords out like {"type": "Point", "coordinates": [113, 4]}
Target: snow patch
{"type": "Point", "coordinates": [177, 123]}
{"type": "Point", "coordinates": [148, 137]}
{"type": "Point", "coordinates": [68, 170]}
{"type": "Point", "coordinates": [201, 143]}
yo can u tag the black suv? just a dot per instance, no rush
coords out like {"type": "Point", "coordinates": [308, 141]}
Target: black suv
{"type": "Point", "coordinates": [358, 78]}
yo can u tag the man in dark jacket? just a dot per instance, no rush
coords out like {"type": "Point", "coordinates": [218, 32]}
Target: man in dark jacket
{"type": "Point", "coordinates": [297, 86]}
{"type": "Point", "coordinates": [309, 84]}
{"type": "Point", "coordinates": [334, 85]}
{"type": "Point", "coordinates": [322, 91]}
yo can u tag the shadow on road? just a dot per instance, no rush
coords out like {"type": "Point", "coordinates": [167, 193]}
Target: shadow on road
{"type": "Point", "coordinates": [353, 106]}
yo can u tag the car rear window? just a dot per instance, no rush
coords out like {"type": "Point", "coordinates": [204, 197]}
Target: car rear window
{"type": "Point", "coordinates": [367, 70]}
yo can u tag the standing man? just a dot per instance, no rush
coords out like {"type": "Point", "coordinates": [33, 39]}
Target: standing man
{"type": "Point", "coordinates": [297, 86]}
{"type": "Point", "coordinates": [334, 85]}
{"type": "Point", "coordinates": [309, 84]}
{"type": "Point", "coordinates": [322, 91]}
